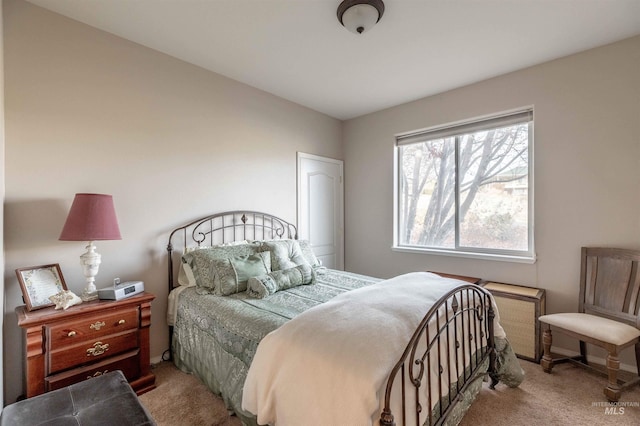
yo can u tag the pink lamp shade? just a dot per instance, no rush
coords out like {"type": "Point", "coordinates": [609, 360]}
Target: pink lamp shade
{"type": "Point", "coordinates": [92, 217]}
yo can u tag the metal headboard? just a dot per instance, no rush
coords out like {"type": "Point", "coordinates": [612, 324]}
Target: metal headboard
{"type": "Point", "coordinates": [225, 227]}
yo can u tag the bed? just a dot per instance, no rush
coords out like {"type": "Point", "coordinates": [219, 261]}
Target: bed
{"type": "Point", "coordinates": [256, 335]}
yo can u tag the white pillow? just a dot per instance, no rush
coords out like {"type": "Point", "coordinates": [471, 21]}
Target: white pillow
{"type": "Point", "coordinates": [172, 304]}
{"type": "Point", "coordinates": [185, 275]}
{"type": "Point", "coordinates": [230, 243]}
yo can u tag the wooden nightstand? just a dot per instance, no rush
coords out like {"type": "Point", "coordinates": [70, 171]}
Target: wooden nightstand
{"type": "Point", "coordinates": [87, 340]}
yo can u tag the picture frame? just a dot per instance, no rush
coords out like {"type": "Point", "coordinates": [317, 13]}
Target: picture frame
{"type": "Point", "coordinates": [38, 283]}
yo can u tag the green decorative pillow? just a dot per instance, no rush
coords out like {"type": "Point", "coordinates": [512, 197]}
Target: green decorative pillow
{"type": "Point", "coordinates": [285, 254]}
{"type": "Point", "coordinates": [201, 260]}
{"type": "Point", "coordinates": [265, 285]}
{"type": "Point", "coordinates": [231, 275]}
{"type": "Point", "coordinates": [307, 252]}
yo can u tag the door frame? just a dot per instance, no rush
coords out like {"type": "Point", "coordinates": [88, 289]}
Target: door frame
{"type": "Point", "coordinates": [340, 219]}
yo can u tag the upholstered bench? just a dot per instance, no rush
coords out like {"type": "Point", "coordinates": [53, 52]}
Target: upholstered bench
{"type": "Point", "coordinates": [101, 401]}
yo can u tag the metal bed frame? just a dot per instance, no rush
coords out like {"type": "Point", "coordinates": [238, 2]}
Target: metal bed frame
{"type": "Point", "coordinates": [423, 352]}
{"type": "Point", "coordinates": [220, 228]}
{"type": "Point", "coordinates": [471, 325]}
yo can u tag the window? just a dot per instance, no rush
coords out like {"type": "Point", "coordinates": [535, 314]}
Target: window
{"type": "Point", "coordinates": [466, 189]}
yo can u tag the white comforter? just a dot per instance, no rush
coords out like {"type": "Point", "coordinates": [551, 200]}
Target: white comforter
{"type": "Point", "coordinates": [304, 374]}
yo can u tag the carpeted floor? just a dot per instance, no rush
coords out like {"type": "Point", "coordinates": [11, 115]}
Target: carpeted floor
{"type": "Point", "coordinates": [181, 399]}
{"type": "Point", "coordinates": [569, 396]}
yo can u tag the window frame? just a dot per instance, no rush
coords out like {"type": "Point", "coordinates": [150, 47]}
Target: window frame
{"type": "Point", "coordinates": [457, 129]}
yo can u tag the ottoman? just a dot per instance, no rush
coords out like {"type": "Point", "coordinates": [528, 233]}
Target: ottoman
{"type": "Point", "coordinates": [101, 401]}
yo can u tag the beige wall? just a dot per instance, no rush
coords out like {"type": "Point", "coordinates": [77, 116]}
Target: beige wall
{"type": "Point", "coordinates": [587, 168]}
{"type": "Point", "coordinates": [89, 112]}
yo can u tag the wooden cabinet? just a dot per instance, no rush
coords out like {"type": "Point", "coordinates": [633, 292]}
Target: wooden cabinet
{"type": "Point", "coordinates": [519, 309]}
{"type": "Point", "coordinates": [472, 280]}
{"type": "Point", "coordinates": [67, 346]}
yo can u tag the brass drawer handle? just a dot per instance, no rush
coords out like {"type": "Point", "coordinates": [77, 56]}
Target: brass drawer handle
{"type": "Point", "coordinates": [97, 349]}
{"type": "Point", "coordinates": [98, 373]}
{"type": "Point", "coordinates": [121, 322]}
{"type": "Point", "coordinates": [97, 326]}
{"type": "Point", "coordinates": [71, 334]}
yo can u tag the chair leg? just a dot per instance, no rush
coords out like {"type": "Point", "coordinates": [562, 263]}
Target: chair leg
{"type": "Point", "coordinates": [612, 391]}
{"type": "Point", "coordinates": [547, 362]}
{"type": "Point", "coordinates": [583, 352]}
{"type": "Point", "coordinates": [638, 357]}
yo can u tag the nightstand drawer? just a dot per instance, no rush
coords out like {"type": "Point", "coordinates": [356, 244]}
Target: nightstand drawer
{"type": "Point", "coordinates": [127, 362]}
{"type": "Point", "coordinates": [71, 333]}
{"type": "Point", "coordinates": [92, 350]}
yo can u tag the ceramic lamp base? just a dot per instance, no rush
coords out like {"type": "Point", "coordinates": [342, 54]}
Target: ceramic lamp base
{"type": "Point", "coordinates": [87, 296]}
{"type": "Point", "coordinates": [90, 262]}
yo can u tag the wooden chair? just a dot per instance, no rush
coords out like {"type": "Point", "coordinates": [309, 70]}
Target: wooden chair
{"type": "Point", "coordinates": [609, 313]}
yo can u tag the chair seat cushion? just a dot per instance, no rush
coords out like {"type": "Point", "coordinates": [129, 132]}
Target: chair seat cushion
{"type": "Point", "coordinates": [603, 329]}
{"type": "Point", "coordinates": [107, 400]}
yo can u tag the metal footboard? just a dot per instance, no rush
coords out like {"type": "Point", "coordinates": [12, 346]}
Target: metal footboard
{"type": "Point", "coordinates": [446, 353]}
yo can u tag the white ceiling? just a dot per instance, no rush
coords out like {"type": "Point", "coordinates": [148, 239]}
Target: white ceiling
{"type": "Point", "coordinates": [297, 49]}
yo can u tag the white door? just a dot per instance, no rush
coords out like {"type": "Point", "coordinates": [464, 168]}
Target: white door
{"type": "Point", "coordinates": [320, 207]}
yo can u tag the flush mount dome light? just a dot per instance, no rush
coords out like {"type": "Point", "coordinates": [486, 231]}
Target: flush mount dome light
{"type": "Point", "coordinates": [358, 16]}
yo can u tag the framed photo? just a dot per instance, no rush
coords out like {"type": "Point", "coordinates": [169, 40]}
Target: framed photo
{"type": "Point", "coordinates": [40, 282]}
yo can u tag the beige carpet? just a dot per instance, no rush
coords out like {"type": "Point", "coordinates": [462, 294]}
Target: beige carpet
{"type": "Point", "coordinates": [570, 396]}
{"type": "Point", "coordinates": [181, 399]}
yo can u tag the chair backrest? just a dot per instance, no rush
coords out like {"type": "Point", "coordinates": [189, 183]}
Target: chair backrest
{"type": "Point", "coordinates": [610, 284]}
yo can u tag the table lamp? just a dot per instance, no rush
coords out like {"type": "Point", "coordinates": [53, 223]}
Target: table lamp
{"type": "Point", "coordinates": [92, 217]}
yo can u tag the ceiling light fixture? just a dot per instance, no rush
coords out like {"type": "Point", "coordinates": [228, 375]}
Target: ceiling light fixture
{"type": "Point", "coordinates": [358, 16]}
